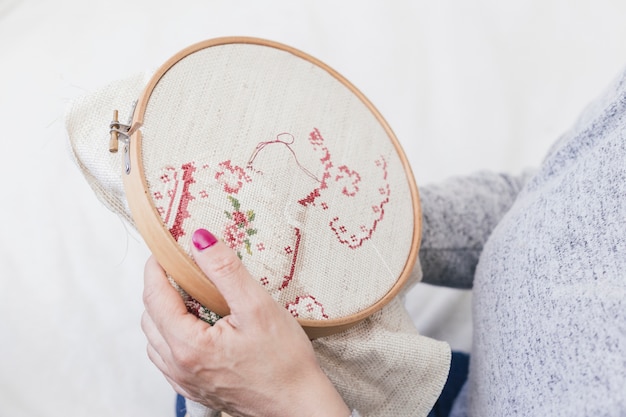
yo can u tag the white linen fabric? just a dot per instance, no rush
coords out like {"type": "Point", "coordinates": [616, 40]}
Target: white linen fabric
{"type": "Point", "coordinates": [375, 365]}
{"type": "Point", "coordinates": [465, 86]}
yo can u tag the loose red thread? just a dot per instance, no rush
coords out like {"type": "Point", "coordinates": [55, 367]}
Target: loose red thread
{"type": "Point", "coordinates": [286, 139]}
{"type": "Point", "coordinates": [316, 139]}
{"type": "Point", "coordinates": [287, 278]}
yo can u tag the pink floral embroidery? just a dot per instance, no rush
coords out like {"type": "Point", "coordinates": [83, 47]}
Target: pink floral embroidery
{"type": "Point", "coordinates": [239, 229]}
{"type": "Point", "coordinates": [194, 307]}
{"type": "Point", "coordinates": [349, 182]}
{"type": "Point", "coordinates": [232, 177]}
{"type": "Point", "coordinates": [350, 178]}
{"type": "Point", "coordinates": [354, 239]}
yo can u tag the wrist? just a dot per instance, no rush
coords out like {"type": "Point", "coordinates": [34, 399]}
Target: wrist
{"type": "Point", "coordinates": [323, 400]}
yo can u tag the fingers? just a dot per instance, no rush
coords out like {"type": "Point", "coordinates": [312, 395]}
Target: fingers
{"type": "Point", "coordinates": [222, 266]}
{"type": "Point", "coordinates": [167, 324]}
{"type": "Point", "coordinates": [160, 353]}
{"type": "Point", "coordinates": [169, 321]}
{"type": "Point", "coordinates": [219, 365]}
{"type": "Point", "coordinates": [163, 303]}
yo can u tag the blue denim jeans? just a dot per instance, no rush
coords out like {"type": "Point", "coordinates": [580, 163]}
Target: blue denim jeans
{"type": "Point", "coordinates": [459, 367]}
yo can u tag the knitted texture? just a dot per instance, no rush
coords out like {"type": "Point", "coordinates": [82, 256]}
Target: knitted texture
{"type": "Point", "coordinates": [292, 188]}
{"type": "Point", "coordinates": [548, 252]}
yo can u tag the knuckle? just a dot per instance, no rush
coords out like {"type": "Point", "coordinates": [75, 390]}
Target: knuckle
{"type": "Point", "coordinates": [226, 265]}
{"type": "Point", "coordinates": [148, 295]}
{"type": "Point", "coordinates": [184, 358]}
{"type": "Point", "coordinates": [257, 306]}
{"type": "Point", "coordinates": [144, 321]}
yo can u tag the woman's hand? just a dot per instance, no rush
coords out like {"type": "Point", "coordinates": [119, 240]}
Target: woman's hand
{"type": "Point", "coordinates": [257, 361]}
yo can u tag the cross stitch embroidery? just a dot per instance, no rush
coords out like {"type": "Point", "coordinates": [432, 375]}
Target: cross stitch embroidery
{"type": "Point", "coordinates": [355, 238]}
{"type": "Point", "coordinates": [335, 186]}
{"type": "Point", "coordinates": [307, 306]}
{"type": "Point", "coordinates": [232, 177]}
{"type": "Point", "coordinates": [350, 182]}
{"type": "Point", "coordinates": [292, 251]}
{"type": "Point", "coordinates": [239, 229]}
{"type": "Point", "coordinates": [174, 189]}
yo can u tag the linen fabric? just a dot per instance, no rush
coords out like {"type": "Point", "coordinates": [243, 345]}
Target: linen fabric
{"type": "Point", "coordinates": [382, 365]}
{"type": "Point", "coordinates": [287, 166]}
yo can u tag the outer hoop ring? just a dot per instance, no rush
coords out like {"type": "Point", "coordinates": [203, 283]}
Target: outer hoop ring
{"type": "Point", "coordinates": [179, 264]}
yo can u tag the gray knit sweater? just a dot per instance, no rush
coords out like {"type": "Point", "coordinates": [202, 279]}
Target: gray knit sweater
{"type": "Point", "coordinates": [545, 253]}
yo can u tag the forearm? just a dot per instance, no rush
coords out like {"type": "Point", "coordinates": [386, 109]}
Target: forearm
{"type": "Point", "coordinates": [459, 215]}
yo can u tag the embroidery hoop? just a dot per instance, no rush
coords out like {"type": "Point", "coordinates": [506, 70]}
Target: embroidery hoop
{"type": "Point", "coordinates": [138, 136]}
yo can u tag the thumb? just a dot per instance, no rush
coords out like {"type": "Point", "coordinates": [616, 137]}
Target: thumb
{"type": "Point", "coordinates": [224, 268]}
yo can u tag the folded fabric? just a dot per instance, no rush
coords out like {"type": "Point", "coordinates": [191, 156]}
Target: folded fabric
{"type": "Point", "coordinates": [381, 366]}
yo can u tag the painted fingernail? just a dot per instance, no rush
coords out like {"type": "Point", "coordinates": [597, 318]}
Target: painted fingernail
{"type": "Point", "coordinates": [203, 239]}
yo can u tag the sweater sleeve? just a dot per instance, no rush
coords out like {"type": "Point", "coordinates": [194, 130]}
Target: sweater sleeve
{"type": "Point", "coordinates": [459, 215]}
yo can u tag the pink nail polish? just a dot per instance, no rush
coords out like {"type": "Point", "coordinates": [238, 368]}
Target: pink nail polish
{"type": "Point", "coordinates": [203, 239]}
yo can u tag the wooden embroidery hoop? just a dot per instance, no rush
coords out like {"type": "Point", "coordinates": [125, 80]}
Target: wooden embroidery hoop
{"type": "Point", "coordinates": [168, 251]}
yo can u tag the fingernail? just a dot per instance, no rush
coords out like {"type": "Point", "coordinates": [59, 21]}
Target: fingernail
{"type": "Point", "coordinates": [203, 239]}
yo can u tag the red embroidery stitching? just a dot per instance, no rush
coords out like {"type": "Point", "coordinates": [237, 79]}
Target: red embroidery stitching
{"type": "Point", "coordinates": [237, 233]}
{"type": "Point", "coordinates": [165, 178]}
{"type": "Point", "coordinates": [309, 303]}
{"type": "Point", "coordinates": [194, 307]}
{"type": "Point", "coordinates": [343, 174]}
{"type": "Point", "coordinates": [287, 278]}
{"type": "Point", "coordinates": [232, 177]}
{"type": "Point", "coordinates": [310, 199]}
{"type": "Point", "coordinates": [349, 180]}
{"type": "Point", "coordinates": [175, 210]}
{"type": "Point", "coordinates": [353, 176]}
{"type": "Point", "coordinates": [316, 139]}
{"type": "Point", "coordinates": [182, 213]}
{"type": "Point", "coordinates": [354, 241]}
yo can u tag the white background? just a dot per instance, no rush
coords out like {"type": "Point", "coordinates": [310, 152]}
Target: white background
{"type": "Point", "coordinates": [466, 85]}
